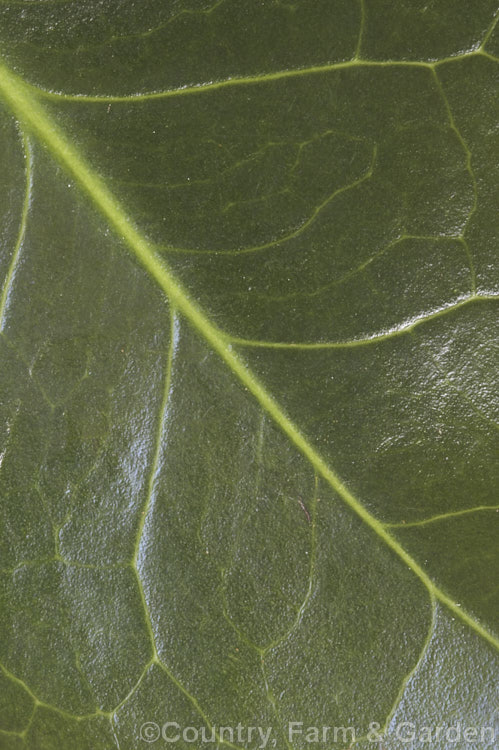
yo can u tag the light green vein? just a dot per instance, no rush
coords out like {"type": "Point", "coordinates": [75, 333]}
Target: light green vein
{"type": "Point", "coordinates": [366, 263]}
{"type": "Point", "coordinates": [415, 668]}
{"type": "Point", "coordinates": [280, 241]}
{"type": "Point", "coordinates": [4, 299]}
{"type": "Point", "coordinates": [391, 713]}
{"type": "Point", "coordinates": [271, 699]}
{"type": "Point", "coordinates": [257, 79]}
{"type": "Point", "coordinates": [367, 340]}
{"type": "Point", "coordinates": [362, 25]}
{"type": "Point", "coordinates": [442, 517]}
{"type": "Point", "coordinates": [490, 31]}
{"type": "Point", "coordinates": [132, 690]}
{"type": "Point", "coordinates": [38, 702]}
{"type": "Point", "coordinates": [280, 75]}
{"type": "Point", "coordinates": [151, 486]}
{"type": "Point", "coordinates": [8, 733]}
{"type": "Point", "coordinates": [159, 434]}
{"type": "Point", "coordinates": [33, 115]}
{"type": "Point", "coordinates": [311, 575]}
{"type": "Point", "coordinates": [469, 169]}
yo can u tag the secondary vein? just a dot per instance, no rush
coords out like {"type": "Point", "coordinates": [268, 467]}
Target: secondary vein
{"type": "Point", "coordinates": [4, 299]}
{"type": "Point", "coordinates": [259, 78]}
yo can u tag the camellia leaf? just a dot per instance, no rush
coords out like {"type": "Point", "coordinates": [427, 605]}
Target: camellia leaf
{"type": "Point", "coordinates": [249, 403]}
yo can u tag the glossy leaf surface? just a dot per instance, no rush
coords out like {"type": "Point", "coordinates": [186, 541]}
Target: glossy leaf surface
{"type": "Point", "coordinates": [249, 410]}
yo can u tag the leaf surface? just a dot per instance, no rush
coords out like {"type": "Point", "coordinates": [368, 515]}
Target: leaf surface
{"type": "Point", "coordinates": [249, 352]}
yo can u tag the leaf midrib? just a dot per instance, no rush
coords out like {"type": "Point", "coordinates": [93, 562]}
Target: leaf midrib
{"type": "Point", "coordinates": [26, 107]}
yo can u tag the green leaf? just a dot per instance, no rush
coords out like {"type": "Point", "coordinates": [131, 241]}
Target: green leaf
{"type": "Point", "coordinates": [248, 316]}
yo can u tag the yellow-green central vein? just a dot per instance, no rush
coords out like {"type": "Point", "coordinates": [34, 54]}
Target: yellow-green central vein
{"type": "Point", "coordinates": [35, 118]}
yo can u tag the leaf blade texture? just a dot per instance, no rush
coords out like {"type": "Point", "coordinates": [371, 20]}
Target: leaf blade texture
{"type": "Point", "coordinates": [248, 331]}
